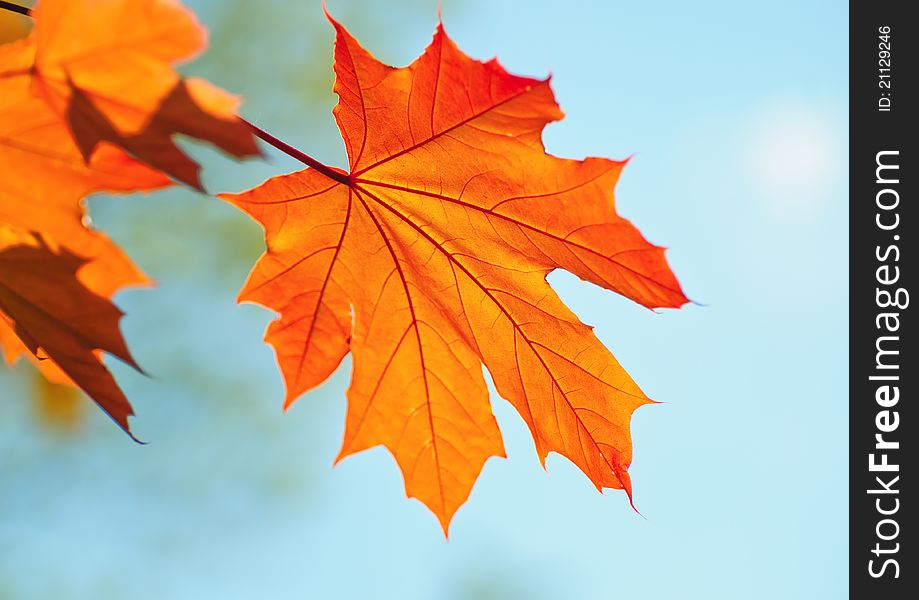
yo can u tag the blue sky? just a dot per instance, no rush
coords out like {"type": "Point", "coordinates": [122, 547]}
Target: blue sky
{"type": "Point", "coordinates": [736, 114]}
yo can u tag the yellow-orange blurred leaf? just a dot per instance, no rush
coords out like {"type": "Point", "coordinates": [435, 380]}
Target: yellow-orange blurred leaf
{"type": "Point", "coordinates": [58, 405]}
{"type": "Point", "coordinates": [105, 70]}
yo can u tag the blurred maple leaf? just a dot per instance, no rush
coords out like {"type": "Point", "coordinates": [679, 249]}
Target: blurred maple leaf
{"type": "Point", "coordinates": [89, 102]}
{"type": "Point", "coordinates": [55, 316]}
{"type": "Point", "coordinates": [429, 257]}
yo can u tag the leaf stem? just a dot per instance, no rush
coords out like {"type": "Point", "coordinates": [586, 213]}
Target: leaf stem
{"type": "Point", "coordinates": [330, 172]}
{"type": "Point", "coordinates": [22, 10]}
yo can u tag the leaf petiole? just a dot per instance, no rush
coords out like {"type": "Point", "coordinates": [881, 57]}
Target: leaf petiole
{"type": "Point", "coordinates": [330, 172]}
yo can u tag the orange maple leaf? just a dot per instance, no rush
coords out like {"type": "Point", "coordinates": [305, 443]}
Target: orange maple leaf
{"type": "Point", "coordinates": [429, 257]}
{"type": "Point", "coordinates": [57, 317]}
{"type": "Point", "coordinates": [93, 82]}
{"type": "Point", "coordinates": [104, 70]}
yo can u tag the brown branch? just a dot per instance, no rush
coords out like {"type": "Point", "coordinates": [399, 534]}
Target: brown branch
{"type": "Point", "coordinates": [22, 10]}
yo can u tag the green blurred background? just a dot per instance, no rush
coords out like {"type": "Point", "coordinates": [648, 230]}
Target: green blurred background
{"type": "Point", "coordinates": [736, 114]}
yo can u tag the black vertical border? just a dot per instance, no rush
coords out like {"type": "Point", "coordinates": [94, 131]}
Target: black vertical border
{"type": "Point", "coordinates": [872, 131]}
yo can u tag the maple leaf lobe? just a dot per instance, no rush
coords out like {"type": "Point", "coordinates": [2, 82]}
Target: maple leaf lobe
{"type": "Point", "coordinates": [59, 319]}
{"type": "Point", "coordinates": [177, 113]}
